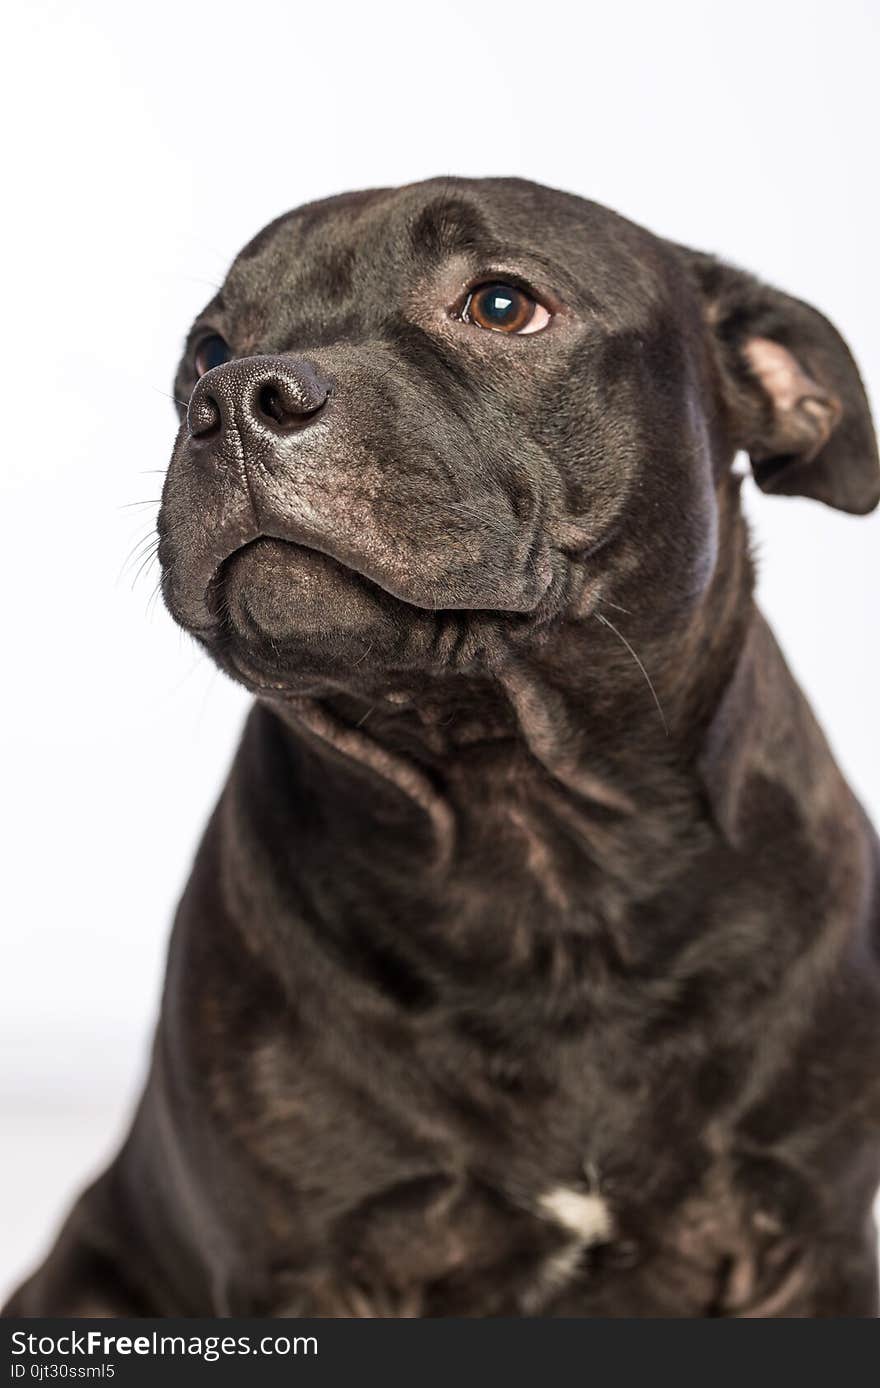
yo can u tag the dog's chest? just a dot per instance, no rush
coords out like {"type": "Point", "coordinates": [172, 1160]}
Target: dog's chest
{"type": "Point", "coordinates": [440, 1246]}
{"type": "Point", "coordinates": [444, 1247]}
{"type": "Point", "coordinates": [432, 1180]}
{"type": "Point", "coordinates": [415, 1206]}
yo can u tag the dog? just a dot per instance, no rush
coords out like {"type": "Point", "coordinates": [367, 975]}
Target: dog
{"type": "Point", "coordinates": [530, 963]}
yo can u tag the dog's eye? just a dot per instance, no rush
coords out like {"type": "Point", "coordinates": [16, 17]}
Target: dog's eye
{"type": "Point", "coordinates": [212, 351]}
{"type": "Point", "coordinates": [504, 309]}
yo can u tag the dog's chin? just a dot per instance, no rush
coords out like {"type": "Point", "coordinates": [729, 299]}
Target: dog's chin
{"type": "Point", "coordinates": [293, 614]}
{"type": "Point", "coordinates": [289, 619]}
{"type": "Point", "coordinates": [277, 591]}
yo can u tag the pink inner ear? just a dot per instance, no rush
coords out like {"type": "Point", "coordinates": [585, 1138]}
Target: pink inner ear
{"type": "Point", "coordinates": [805, 412]}
{"type": "Point", "coordinates": [781, 375]}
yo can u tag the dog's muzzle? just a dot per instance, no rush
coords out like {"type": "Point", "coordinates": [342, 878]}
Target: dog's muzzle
{"type": "Point", "coordinates": [274, 448]}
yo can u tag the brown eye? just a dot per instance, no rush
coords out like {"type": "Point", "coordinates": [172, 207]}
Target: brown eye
{"type": "Point", "coordinates": [212, 351]}
{"type": "Point", "coordinates": [504, 309]}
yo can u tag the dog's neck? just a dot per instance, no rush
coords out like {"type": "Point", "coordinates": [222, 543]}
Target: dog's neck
{"type": "Point", "coordinates": [541, 801]}
{"type": "Point", "coordinates": [540, 718]}
{"type": "Point", "coordinates": [606, 713]}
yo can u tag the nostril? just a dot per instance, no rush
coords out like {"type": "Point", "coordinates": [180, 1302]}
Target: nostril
{"type": "Point", "coordinates": [290, 405]}
{"type": "Point", "coordinates": [203, 416]}
{"type": "Point", "coordinates": [270, 406]}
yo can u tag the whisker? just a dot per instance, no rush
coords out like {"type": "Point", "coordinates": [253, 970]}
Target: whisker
{"type": "Point", "coordinates": [201, 279]}
{"type": "Point", "coordinates": [146, 563]}
{"type": "Point", "coordinates": [138, 549]}
{"type": "Point", "coordinates": [182, 403]}
{"type": "Point", "coordinates": [606, 602]}
{"type": "Point", "coordinates": [605, 622]}
{"type": "Point", "coordinates": [153, 598]}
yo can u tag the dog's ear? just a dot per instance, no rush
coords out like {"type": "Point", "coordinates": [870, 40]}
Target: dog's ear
{"type": "Point", "coordinates": [792, 390]}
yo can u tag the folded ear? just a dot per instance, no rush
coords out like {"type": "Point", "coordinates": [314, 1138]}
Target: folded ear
{"type": "Point", "coordinates": [793, 393]}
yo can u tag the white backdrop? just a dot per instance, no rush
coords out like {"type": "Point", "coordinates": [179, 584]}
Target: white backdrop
{"type": "Point", "coordinates": [148, 143]}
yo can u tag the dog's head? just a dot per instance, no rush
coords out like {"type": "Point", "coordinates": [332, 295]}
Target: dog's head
{"type": "Point", "coordinates": [428, 423]}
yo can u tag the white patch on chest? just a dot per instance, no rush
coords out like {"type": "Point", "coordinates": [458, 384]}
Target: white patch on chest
{"type": "Point", "coordinates": [585, 1215]}
{"type": "Point", "coordinates": [586, 1218]}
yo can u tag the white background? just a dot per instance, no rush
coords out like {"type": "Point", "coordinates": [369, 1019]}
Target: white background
{"type": "Point", "coordinates": [147, 144]}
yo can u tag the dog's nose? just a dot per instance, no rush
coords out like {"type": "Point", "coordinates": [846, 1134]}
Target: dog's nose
{"type": "Point", "coordinates": [278, 394]}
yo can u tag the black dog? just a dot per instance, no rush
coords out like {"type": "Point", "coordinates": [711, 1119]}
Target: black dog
{"type": "Point", "coordinates": [529, 965]}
